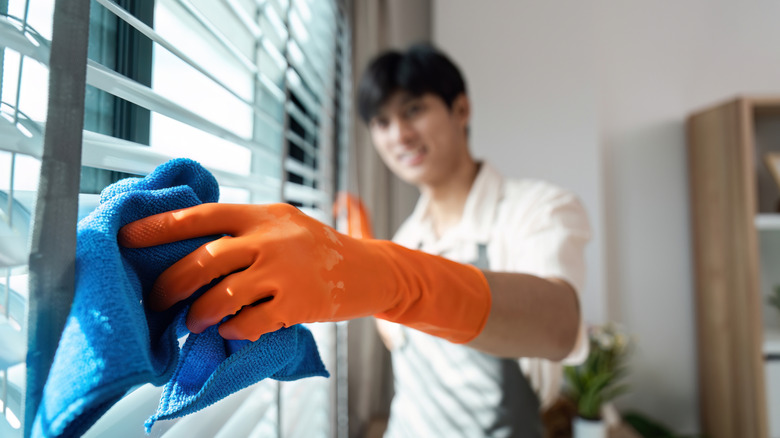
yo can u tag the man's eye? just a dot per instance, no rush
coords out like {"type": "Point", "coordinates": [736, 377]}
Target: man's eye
{"type": "Point", "coordinates": [380, 123]}
{"type": "Point", "coordinates": [413, 110]}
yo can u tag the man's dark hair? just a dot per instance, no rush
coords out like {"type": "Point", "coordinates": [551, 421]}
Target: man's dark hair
{"type": "Point", "coordinates": [419, 70]}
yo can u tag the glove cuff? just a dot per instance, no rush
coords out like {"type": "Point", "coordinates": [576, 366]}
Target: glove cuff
{"type": "Point", "coordinates": [437, 296]}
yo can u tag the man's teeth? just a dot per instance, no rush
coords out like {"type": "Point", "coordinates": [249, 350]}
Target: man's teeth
{"type": "Point", "coordinates": [409, 156]}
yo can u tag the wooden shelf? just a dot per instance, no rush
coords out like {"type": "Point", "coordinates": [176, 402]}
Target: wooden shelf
{"type": "Point", "coordinates": [728, 185]}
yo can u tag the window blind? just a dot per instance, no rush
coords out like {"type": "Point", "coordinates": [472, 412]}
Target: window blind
{"type": "Point", "coordinates": [255, 90]}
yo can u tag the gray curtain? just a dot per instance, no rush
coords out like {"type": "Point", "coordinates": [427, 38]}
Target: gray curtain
{"type": "Point", "coordinates": [377, 25]}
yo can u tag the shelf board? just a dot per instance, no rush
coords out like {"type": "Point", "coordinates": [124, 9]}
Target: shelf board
{"type": "Point", "coordinates": [772, 340]}
{"type": "Point", "coordinates": [768, 221]}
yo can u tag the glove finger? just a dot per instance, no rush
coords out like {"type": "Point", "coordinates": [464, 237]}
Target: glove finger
{"type": "Point", "coordinates": [197, 269]}
{"type": "Point", "coordinates": [252, 322]}
{"type": "Point", "coordinates": [350, 208]}
{"type": "Point", "coordinates": [172, 226]}
{"type": "Point", "coordinates": [226, 298]}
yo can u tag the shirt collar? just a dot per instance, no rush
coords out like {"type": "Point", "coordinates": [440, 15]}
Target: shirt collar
{"type": "Point", "coordinates": [478, 213]}
{"type": "Point", "coordinates": [482, 203]}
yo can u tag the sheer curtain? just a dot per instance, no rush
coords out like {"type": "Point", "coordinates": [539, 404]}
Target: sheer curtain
{"type": "Point", "coordinates": [377, 25]}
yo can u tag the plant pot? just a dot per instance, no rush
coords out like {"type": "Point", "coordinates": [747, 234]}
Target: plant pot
{"type": "Point", "coordinates": [584, 428]}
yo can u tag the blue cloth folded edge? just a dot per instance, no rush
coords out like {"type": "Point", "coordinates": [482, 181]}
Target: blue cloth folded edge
{"type": "Point", "coordinates": [111, 343]}
{"type": "Point", "coordinates": [188, 392]}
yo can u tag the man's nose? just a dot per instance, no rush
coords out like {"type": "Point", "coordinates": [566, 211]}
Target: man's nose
{"type": "Point", "coordinates": [401, 132]}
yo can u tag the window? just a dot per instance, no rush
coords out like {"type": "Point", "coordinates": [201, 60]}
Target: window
{"type": "Point", "coordinates": [255, 90]}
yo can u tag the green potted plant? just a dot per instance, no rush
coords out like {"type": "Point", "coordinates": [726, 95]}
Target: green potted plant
{"type": "Point", "coordinates": [598, 380]}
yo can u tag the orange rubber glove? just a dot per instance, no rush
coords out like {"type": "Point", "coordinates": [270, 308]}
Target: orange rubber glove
{"type": "Point", "coordinates": [351, 208]}
{"type": "Point", "coordinates": [312, 273]}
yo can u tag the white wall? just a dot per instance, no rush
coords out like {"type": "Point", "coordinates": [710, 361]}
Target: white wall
{"type": "Point", "coordinates": [594, 97]}
{"type": "Point", "coordinates": [534, 109]}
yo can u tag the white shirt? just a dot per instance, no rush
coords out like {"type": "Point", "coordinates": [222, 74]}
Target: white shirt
{"type": "Point", "coordinates": [526, 226]}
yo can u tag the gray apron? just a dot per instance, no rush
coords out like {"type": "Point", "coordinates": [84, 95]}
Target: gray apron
{"type": "Point", "coordinates": [448, 390]}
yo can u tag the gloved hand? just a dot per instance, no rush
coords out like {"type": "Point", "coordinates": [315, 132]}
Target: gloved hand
{"type": "Point", "coordinates": [283, 267]}
{"type": "Point", "coordinates": [351, 208]}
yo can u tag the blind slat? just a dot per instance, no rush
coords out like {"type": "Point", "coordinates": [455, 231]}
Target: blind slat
{"type": "Point", "coordinates": [302, 67]}
{"type": "Point", "coordinates": [273, 88]}
{"type": "Point", "coordinates": [304, 195]}
{"type": "Point", "coordinates": [303, 144]}
{"type": "Point", "coordinates": [129, 414]}
{"type": "Point", "coordinates": [13, 344]}
{"type": "Point", "coordinates": [312, 43]}
{"type": "Point", "coordinates": [276, 22]}
{"type": "Point", "coordinates": [14, 38]}
{"type": "Point", "coordinates": [28, 43]}
{"type": "Point", "coordinates": [303, 119]}
{"type": "Point", "coordinates": [157, 38]}
{"type": "Point", "coordinates": [15, 387]}
{"type": "Point", "coordinates": [13, 247]}
{"type": "Point", "coordinates": [120, 86]}
{"type": "Point", "coordinates": [13, 139]}
{"type": "Point", "coordinates": [274, 53]}
{"type": "Point", "coordinates": [106, 152]}
{"type": "Point", "coordinates": [254, 409]}
{"type": "Point", "coordinates": [17, 307]}
{"type": "Point", "coordinates": [301, 169]}
{"type": "Point", "coordinates": [204, 425]}
{"type": "Point", "coordinates": [246, 21]}
{"type": "Point", "coordinates": [219, 36]}
{"type": "Point", "coordinates": [111, 82]}
{"type": "Point", "coordinates": [295, 82]}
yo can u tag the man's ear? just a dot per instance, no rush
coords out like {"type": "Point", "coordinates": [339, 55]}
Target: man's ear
{"type": "Point", "coordinates": [461, 108]}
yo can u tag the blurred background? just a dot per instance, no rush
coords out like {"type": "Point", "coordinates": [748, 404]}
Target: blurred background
{"type": "Point", "coordinates": [595, 96]}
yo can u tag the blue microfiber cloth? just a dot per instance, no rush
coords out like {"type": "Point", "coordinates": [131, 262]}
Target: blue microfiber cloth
{"type": "Point", "coordinates": [111, 343]}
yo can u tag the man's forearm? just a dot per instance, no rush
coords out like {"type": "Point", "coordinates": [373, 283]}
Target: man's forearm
{"type": "Point", "coordinates": [529, 317]}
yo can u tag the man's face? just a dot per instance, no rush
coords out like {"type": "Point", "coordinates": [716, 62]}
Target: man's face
{"type": "Point", "coordinates": [419, 138]}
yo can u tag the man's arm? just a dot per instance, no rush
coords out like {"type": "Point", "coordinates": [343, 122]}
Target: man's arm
{"type": "Point", "coordinates": [529, 317]}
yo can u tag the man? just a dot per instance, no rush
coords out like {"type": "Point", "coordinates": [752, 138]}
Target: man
{"type": "Point", "coordinates": [458, 321]}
